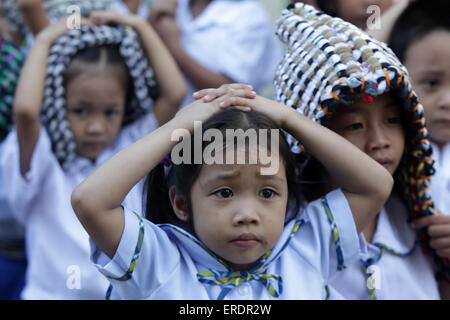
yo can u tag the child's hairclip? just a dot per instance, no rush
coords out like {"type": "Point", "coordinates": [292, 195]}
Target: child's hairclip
{"type": "Point", "coordinates": [367, 98]}
{"type": "Point", "coordinates": [166, 162]}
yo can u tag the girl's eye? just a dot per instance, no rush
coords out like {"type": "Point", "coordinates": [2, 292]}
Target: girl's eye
{"type": "Point", "coordinates": [354, 126]}
{"type": "Point", "coordinates": [81, 112]}
{"type": "Point", "coordinates": [267, 193]}
{"type": "Point", "coordinates": [111, 113]}
{"type": "Point", "coordinates": [224, 193]}
{"type": "Point", "coordinates": [394, 120]}
{"type": "Point", "coordinates": [431, 83]}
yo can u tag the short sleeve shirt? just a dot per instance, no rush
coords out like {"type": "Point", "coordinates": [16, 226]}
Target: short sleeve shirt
{"type": "Point", "coordinates": [165, 262]}
{"type": "Point", "coordinates": [57, 244]}
{"type": "Point", "coordinates": [393, 266]}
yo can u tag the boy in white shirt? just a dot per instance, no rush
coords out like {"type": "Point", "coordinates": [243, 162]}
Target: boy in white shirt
{"type": "Point", "coordinates": [371, 103]}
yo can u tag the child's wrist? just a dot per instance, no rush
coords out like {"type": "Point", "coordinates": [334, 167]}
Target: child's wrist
{"type": "Point", "coordinates": [44, 39]}
{"type": "Point", "coordinates": [139, 24]}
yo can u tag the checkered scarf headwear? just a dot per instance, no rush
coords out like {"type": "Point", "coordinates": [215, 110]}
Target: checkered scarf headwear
{"type": "Point", "coordinates": [55, 9]}
{"type": "Point", "coordinates": [330, 62]}
{"type": "Point", "coordinates": [54, 116]}
{"type": "Point", "coordinates": [11, 61]}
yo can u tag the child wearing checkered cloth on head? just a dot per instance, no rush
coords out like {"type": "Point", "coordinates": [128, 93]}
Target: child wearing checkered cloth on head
{"type": "Point", "coordinates": [344, 79]}
{"type": "Point", "coordinates": [83, 95]}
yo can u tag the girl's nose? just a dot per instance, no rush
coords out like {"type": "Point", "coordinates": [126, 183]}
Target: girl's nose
{"type": "Point", "coordinates": [95, 126]}
{"type": "Point", "coordinates": [377, 138]}
{"type": "Point", "coordinates": [246, 214]}
{"type": "Point", "coordinates": [444, 99]}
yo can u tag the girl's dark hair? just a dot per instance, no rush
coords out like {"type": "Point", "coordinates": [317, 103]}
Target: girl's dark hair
{"type": "Point", "coordinates": [106, 56]}
{"type": "Point", "coordinates": [329, 7]}
{"type": "Point", "coordinates": [182, 177]}
{"type": "Point", "coordinates": [417, 20]}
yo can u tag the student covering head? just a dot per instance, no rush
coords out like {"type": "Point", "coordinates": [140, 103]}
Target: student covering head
{"type": "Point", "coordinates": [140, 100]}
{"type": "Point", "coordinates": [328, 63]}
{"type": "Point", "coordinates": [83, 95]}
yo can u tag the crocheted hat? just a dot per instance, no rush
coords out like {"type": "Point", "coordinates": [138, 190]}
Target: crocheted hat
{"type": "Point", "coordinates": [11, 61]}
{"type": "Point", "coordinates": [330, 62]}
{"type": "Point", "coordinates": [55, 9]}
{"type": "Point", "coordinates": [54, 116]}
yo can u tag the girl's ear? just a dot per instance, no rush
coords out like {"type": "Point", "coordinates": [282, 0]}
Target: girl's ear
{"type": "Point", "coordinates": [179, 205]}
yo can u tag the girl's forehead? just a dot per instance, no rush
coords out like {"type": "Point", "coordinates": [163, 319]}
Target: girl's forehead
{"type": "Point", "coordinates": [211, 172]}
{"type": "Point", "coordinates": [432, 48]}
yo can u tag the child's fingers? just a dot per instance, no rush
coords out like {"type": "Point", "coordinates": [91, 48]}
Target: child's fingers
{"type": "Point", "coordinates": [444, 253]}
{"type": "Point", "coordinates": [440, 243]}
{"type": "Point", "coordinates": [103, 17]}
{"type": "Point", "coordinates": [211, 94]}
{"type": "Point", "coordinates": [439, 230]}
{"type": "Point", "coordinates": [242, 108]}
{"type": "Point", "coordinates": [235, 101]}
{"type": "Point", "coordinates": [86, 22]}
{"type": "Point", "coordinates": [430, 220]}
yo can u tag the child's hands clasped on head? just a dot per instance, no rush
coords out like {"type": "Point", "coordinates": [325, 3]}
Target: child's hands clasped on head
{"type": "Point", "coordinates": [106, 208]}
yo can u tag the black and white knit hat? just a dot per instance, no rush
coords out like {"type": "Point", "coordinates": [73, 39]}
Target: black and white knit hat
{"type": "Point", "coordinates": [54, 116]}
{"type": "Point", "coordinates": [330, 62]}
{"type": "Point", "coordinates": [55, 9]}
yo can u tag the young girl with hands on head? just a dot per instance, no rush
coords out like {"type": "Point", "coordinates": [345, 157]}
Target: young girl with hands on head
{"type": "Point", "coordinates": [83, 95]}
{"type": "Point", "coordinates": [239, 234]}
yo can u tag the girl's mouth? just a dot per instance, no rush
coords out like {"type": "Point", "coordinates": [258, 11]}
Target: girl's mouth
{"type": "Point", "coordinates": [246, 240]}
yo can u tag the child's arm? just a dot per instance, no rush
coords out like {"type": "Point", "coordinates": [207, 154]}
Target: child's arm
{"type": "Point", "coordinates": [169, 78]}
{"type": "Point", "coordinates": [98, 207]}
{"type": "Point", "coordinates": [365, 183]}
{"type": "Point", "coordinates": [34, 14]}
{"type": "Point", "coordinates": [133, 5]}
{"type": "Point", "coordinates": [30, 91]}
{"type": "Point", "coordinates": [201, 77]}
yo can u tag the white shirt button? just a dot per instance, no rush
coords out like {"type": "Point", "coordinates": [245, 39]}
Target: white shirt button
{"type": "Point", "coordinates": [244, 289]}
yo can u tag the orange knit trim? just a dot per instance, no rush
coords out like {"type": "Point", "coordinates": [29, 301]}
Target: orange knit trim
{"type": "Point", "coordinates": [387, 78]}
{"type": "Point", "coordinates": [334, 96]}
{"type": "Point", "coordinates": [325, 111]}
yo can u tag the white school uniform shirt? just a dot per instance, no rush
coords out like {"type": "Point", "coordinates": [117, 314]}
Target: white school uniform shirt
{"type": "Point", "coordinates": [57, 245]}
{"type": "Point", "coordinates": [233, 38]}
{"type": "Point", "coordinates": [10, 230]}
{"type": "Point", "coordinates": [166, 262]}
{"type": "Point", "coordinates": [408, 276]}
{"type": "Point", "coordinates": [440, 181]}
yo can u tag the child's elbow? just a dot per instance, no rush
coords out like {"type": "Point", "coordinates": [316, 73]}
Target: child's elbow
{"type": "Point", "coordinates": [79, 203]}
{"type": "Point", "coordinates": [178, 95]}
{"type": "Point", "coordinates": [24, 113]}
{"type": "Point", "coordinates": [385, 187]}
